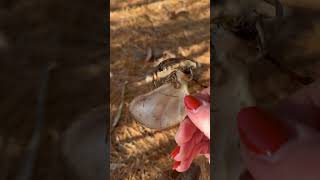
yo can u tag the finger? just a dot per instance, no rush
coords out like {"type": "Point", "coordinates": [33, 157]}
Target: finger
{"type": "Point", "coordinates": [203, 97]}
{"type": "Point", "coordinates": [207, 156]}
{"type": "Point", "coordinates": [273, 150]}
{"type": "Point", "coordinates": [302, 107]}
{"type": "Point", "coordinates": [185, 132]}
{"type": "Point", "coordinates": [199, 113]}
{"type": "Point", "coordinates": [262, 132]}
{"type": "Point", "coordinates": [206, 91]}
{"type": "Point", "coordinates": [205, 139]}
{"type": "Point", "coordinates": [204, 94]}
{"type": "Point", "coordinates": [206, 152]}
{"type": "Point", "coordinates": [184, 165]}
{"type": "Point", "coordinates": [187, 148]}
{"type": "Point", "coordinates": [295, 161]}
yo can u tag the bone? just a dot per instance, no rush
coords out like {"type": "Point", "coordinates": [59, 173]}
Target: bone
{"type": "Point", "coordinates": [163, 107]}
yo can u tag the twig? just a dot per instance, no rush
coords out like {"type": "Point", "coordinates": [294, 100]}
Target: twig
{"type": "Point", "coordinates": [117, 117]}
{"type": "Point", "coordinates": [277, 5]}
{"type": "Point", "coordinates": [26, 168]}
{"type": "Point", "coordinates": [261, 37]}
{"type": "Point", "coordinates": [149, 55]}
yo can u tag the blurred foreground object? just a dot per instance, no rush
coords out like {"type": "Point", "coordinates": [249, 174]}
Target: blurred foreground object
{"type": "Point", "coordinates": [84, 146]}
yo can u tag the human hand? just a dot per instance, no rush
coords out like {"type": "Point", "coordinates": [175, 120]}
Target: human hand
{"type": "Point", "coordinates": [286, 144]}
{"type": "Point", "coordinates": [193, 136]}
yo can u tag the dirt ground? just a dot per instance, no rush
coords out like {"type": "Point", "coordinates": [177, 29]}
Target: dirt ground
{"type": "Point", "coordinates": [181, 27]}
{"type": "Point", "coordinates": [31, 34]}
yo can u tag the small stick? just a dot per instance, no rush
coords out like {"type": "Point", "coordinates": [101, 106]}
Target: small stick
{"type": "Point", "coordinates": [117, 117]}
{"type": "Point", "coordinates": [149, 55]}
{"type": "Point", "coordinates": [27, 166]}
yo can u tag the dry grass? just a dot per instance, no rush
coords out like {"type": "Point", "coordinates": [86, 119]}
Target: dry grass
{"type": "Point", "coordinates": [139, 152]}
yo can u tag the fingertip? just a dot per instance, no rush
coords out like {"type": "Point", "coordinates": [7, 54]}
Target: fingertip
{"type": "Point", "coordinates": [201, 119]}
{"type": "Point", "coordinates": [261, 132]}
{"type": "Point", "coordinates": [185, 132]}
{"type": "Point", "coordinates": [192, 103]}
{"type": "Point", "coordinates": [184, 165]}
{"type": "Point", "coordinates": [206, 92]}
{"type": "Point", "coordinates": [175, 151]}
{"type": "Point", "coordinates": [175, 165]}
{"type": "Point", "coordinates": [297, 160]}
{"type": "Point", "coordinates": [188, 148]}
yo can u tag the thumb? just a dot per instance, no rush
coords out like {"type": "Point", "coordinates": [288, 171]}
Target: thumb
{"type": "Point", "coordinates": [198, 112]}
{"type": "Point", "coordinates": [273, 149]}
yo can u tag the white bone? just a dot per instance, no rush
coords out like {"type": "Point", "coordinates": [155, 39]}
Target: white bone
{"type": "Point", "coordinates": [163, 107]}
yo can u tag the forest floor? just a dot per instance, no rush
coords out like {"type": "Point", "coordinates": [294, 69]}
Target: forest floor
{"type": "Point", "coordinates": [181, 27]}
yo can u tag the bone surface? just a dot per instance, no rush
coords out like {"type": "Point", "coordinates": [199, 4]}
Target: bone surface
{"type": "Point", "coordinates": [161, 108]}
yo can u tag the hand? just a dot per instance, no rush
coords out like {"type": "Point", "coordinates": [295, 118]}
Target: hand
{"type": "Point", "coordinates": [285, 143]}
{"type": "Point", "coordinates": [193, 136]}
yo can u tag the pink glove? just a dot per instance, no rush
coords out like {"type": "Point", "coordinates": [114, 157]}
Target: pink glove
{"type": "Point", "coordinates": [193, 136]}
{"type": "Point", "coordinates": [283, 144]}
